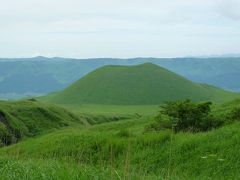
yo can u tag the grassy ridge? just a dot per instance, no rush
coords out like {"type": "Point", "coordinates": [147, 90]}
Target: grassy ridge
{"type": "Point", "coordinates": [145, 84]}
{"type": "Point", "coordinates": [28, 118]}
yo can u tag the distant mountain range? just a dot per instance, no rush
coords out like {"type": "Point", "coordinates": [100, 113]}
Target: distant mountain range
{"type": "Point", "coordinates": [41, 75]}
{"type": "Point", "coordinates": [219, 56]}
{"type": "Point", "coordinates": [145, 84]}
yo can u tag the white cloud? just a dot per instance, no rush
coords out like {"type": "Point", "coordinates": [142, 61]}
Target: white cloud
{"type": "Point", "coordinates": [118, 28]}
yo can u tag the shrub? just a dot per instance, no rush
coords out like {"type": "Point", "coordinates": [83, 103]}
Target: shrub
{"type": "Point", "coordinates": [5, 137]}
{"type": "Point", "coordinates": [235, 114]}
{"type": "Point", "coordinates": [186, 116]}
{"type": "Point", "coordinates": [32, 99]}
{"type": "Point", "coordinates": [161, 122]}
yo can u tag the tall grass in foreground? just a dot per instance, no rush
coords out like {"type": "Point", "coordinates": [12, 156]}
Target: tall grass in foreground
{"type": "Point", "coordinates": [12, 169]}
{"type": "Point", "coordinates": [119, 154]}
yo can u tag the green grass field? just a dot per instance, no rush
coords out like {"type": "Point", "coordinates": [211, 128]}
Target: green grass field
{"type": "Point", "coordinates": [108, 110]}
{"type": "Point", "coordinates": [124, 150]}
{"type": "Point", "coordinates": [121, 150]}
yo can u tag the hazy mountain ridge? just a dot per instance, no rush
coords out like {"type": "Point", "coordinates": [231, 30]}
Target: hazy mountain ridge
{"type": "Point", "coordinates": [145, 84]}
{"type": "Point", "coordinates": [16, 75]}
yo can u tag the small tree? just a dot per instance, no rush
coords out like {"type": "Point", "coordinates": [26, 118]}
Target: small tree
{"type": "Point", "coordinates": [186, 116]}
{"type": "Point", "coordinates": [235, 114]}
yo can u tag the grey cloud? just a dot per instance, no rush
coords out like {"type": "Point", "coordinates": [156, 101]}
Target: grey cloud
{"type": "Point", "coordinates": [229, 9]}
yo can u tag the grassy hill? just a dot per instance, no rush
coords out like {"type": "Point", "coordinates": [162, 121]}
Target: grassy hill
{"type": "Point", "coordinates": [55, 74]}
{"type": "Point", "coordinates": [29, 118]}
{"type": "Point", "coordinates": [145, 84]}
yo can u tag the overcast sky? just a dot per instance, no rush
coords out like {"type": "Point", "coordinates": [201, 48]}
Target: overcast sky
{"type": "Point", "coordinates": [119, 28]}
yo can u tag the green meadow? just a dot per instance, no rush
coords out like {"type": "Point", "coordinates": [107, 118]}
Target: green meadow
{"type": "Point", "coordinates": [110, 110]}
{"type": "Point", "coordinates": [123, 150]}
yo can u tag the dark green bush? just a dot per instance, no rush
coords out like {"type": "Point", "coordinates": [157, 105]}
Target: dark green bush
{"type": "Point", "coordinates": [5, 137]}
{"type": "Point", "coordinates": [186, 116]}
{"type": "Point", "coordinates": [32, 99]}
{"type": "Point", "coordinates": [235, 114]}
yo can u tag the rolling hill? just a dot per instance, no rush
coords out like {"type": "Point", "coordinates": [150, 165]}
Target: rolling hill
{"type": "Point", "coordinates": [55, 74]}
{"type": "Point", "coordinates": [145, 84]}
{"type": "Point", "coordinates": [29, 118]}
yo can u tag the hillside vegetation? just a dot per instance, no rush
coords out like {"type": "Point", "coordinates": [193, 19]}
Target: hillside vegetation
{"type": "Point", "coordinates": [123, 150]}
{"type": "Point", "coordinates": [29, 118]}
{"type": "Point", "coordinates": [145, 84]}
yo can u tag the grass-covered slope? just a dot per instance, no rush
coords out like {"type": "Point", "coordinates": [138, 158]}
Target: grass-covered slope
{"type": "Point", "coordinates": [146, 84]}
{"type": "Point", "coordinates": [127, 150]}
{"type": "Point", "coordinates": [29, 118]}
{"type": "Point", "coordinates": [122, 150]}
